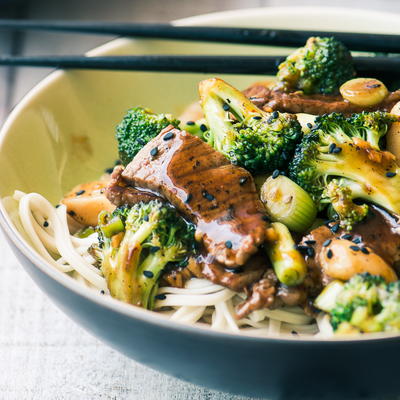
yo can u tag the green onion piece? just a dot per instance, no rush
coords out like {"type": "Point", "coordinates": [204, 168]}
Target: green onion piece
{"type": "Point", "coordinates": [287, 202]}
{"type": "Point", "coordinates": [326, 300]}
{"type": "Point", "coordinates": [111, 228]}
{"type": "Point", "coordinates": [85, 232]}
{"type": "Point", "coordinates": [289, 265]}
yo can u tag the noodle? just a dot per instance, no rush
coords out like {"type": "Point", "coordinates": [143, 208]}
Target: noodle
{"type": "Point", "coordinates": [201, 301]}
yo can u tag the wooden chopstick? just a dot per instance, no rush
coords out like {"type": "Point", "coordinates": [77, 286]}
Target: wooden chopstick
{"type": "Point", "coordinates": [372, 66]}
{"type": "Point", "coordinates": [274, 37]}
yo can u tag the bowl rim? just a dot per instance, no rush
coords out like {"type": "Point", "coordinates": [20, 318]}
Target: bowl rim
{"type": "Point", "coordinates": [128, 310]}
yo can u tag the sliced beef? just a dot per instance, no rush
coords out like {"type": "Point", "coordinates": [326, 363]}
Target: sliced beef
{"type": "Point", "coordinates": [263, 294]}
{"type": "Point", "coordinates": [296, 102]}
{"type": "Point", "coordinates": [205, 266]}
{"type": "Point", "coordinates": [220, 198]}
{"type": "Point", "coordinates": [177, 277]}
{"type": "Point", "coordinates": [236, 279]}
{"type": "Point", "coordinates": [119, 193]}
{"type": "Point", "coordinates": [268, 292]}
{"type": "Point", "coordinates": [379, 231]}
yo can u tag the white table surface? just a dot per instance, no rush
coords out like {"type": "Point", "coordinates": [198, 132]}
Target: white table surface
{"type": "Point", "coordinates": [43, 354]}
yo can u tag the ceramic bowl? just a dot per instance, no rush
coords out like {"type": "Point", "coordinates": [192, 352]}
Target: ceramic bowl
{"type": "Point", "coordinates": [62, 133]}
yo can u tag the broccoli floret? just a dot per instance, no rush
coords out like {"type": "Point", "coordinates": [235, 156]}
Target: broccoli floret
{"type": "Point", "coordinates": [256, 140]}
{"type": "Point", "coordinates": [137, 243]}
{"type": "Point", "coordinates": [138, 127]}
{"type": "Point", "coordinates": [321, 66]}
{"type": "Point", "coordinates": [339, 193]}
{"type": "Point", "coordinates": [367, 304]}
{"type": "Point", "coordinates": [334, 149]}
{"type": "Point", "coordinates": [372, 126]}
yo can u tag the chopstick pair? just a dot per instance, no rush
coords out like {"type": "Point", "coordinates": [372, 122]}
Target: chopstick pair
{"type": "Point", "coordinates": [201, 64]}
{"type": "Point", "coordinates": [370, 42]}
{"type": "Point", "coordinates": [252, 65]}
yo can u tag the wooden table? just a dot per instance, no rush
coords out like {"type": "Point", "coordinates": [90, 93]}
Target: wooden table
{"type": "Point", "coordinates": [43, 355]}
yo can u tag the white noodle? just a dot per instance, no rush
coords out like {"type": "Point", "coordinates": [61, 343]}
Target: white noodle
{"type": "Point", "coordinates": [54, 242]}
{"type": "Point", "coordinates": [200, 301]}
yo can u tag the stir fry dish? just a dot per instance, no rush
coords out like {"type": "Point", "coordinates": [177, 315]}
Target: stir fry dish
{"type": "Point", "coordinates": [269, 210]}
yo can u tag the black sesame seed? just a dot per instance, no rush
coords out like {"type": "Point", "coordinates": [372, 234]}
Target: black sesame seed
{"type": "Point", "coordinates": [208, 196]}
{"type": "Point", "coordinates": [188, 198]}
{"type": "Point", "coordinates": [148, 274]}
{"type": "Point", "coordinates": [329, 253]}
{"type": "Point", "coordinates": [237, 270]}
{"type": "Point", "coordinates": [146, 218]}
{"type": "Point", "coordinates": [203, 128]}
{"type": "Point", "coordinates": [294, 333]}
{"type": "Point", "coordinates": [310, 242]}
{"type": "Point", "coordinates": [79, 192]}
{"type": "Point", "coordinates": [242, 180]}
{"type": "Point", "coordinates": [390, 174]}
{"type": "Point", "coordinates": [347, 236]}
{"type": "Point", "coordinates": [226, 107]}
{"type": "Point", "coordinates": [228, 244]}
{"type": "Point", "coordinates": [327, 242]}
{"type": "Point", "coordinates": [357, 240]}
{"type": "Point", "coordinates": [337, 150]}
{"type": "Point", "coordinates": [355, 248]}
{"type": "Point", "coordinates": [257, 117]}
{"type": "Point", "coordinates": [72, 213]}
{"type": "Point", "coordinates": [275, 174]}
{"type": "Point", "coordinates": [102, 292]}
{"type": "Point", "coordinates": [168, 135]}
{"type": "Point", "coordinates": [310, 252]}
{"type": "Point", "coordinates": [332, 147]}
{"type": "Point", "coordinates": [45, 224]}
{"type": "Point", "coordinates": [154, 249]}
{"type": "Point", "coordinates": [57, 205]}
{"type": "Point", "coordinates": [154, 151]}
{"type": "Point", "coordinates": [275, 114]}
{"type": "Point", "coordinates": [190, 123]}
{"type": "Point", "coordinates": [160, 296]}
{"type": "Point", "coordinates": [302, 248]}
{"type": "Point", "coordinates": [334, 228]}
{"type": "Point", "coordinates": [309, 125]}
{"type": "Point", "coordinates": [109, 170]}
{"type": "Point", "coordinates": [364, 250]}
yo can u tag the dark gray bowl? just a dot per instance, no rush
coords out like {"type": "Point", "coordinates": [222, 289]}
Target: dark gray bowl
{"type": "Point", "coordinates": [38, 152]}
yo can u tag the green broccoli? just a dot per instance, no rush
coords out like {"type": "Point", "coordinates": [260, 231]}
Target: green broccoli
{"type": "Point", "coordinates": [197, 128]}
{"type": "Point", "coordinates": [251, 138]}
{"type": "Point", "coordinates": [321, 66]}
{"type": "Point", "coordinates": [137, 243]}
{"type": "Point", "coordinates": [334, 149]}
{"type": "Point", "coordinates": [138, 127]}
{"type": "Point", "coordinates": [372, 126]}
{"type": "Point", "coordinates": [366, 303]}
{"type": "Point", "coordinates": [340, 194]}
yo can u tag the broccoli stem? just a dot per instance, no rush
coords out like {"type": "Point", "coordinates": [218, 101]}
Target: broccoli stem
{"type": "Point", "coordinates": [287, 202]}
{"type": "Point", "coordinates": [214, 93]}
{"type": "Point", "coordinates": [288, 263]}
{"type": "Point", "coordinates": [149, 273]}
{"type": "Point", "coordinates": [197, 128]}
